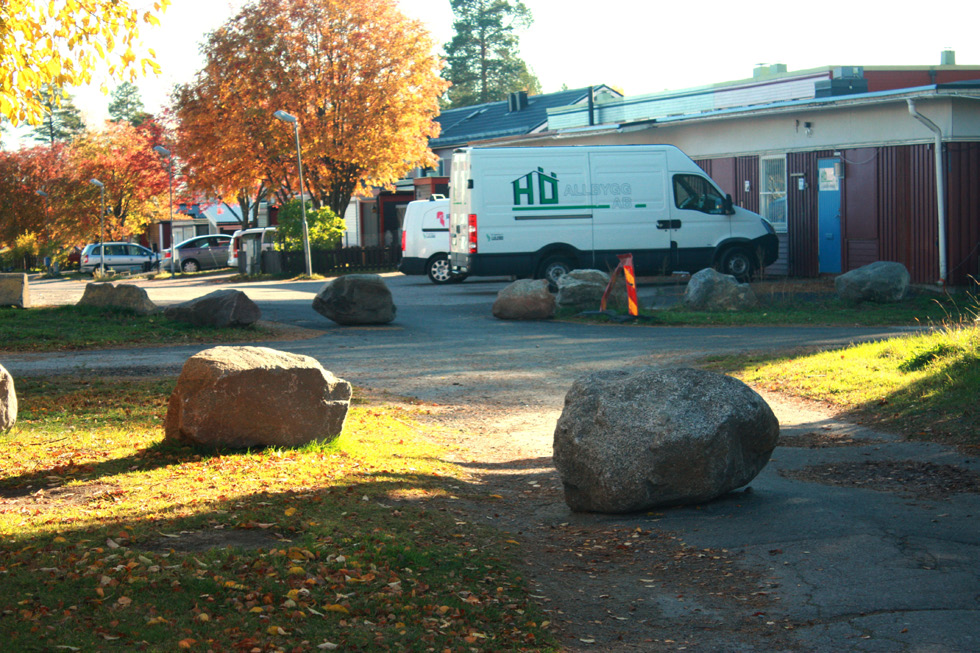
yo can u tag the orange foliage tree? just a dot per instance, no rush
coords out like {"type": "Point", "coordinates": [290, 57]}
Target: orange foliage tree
{"type": "Point", "coordinates": [361, 78]}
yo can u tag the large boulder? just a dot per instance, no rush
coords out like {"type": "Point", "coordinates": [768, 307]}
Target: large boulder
{"type": "Point", "coordinates": [634, 440]}
{"type": "Point", "coordinates": [221, 308]}
{"type": "Point", "coordinates": [8, 401]}
{"type": "Point", "coordinates": [15, 290]}
{"type": "Point", "coordinates": [356, 299]}
{"type": "Point", "coordinates": [239, 397]}
{"type": "Point", "coordinates": [882, 282]}
{"type": "Point", "coordinates": [710, 290]}
{"type": "Point", "coordinates": [582, 290]}
{"type": "Point", "coordinates": [121, 295]}
{"type": "Point", "coordinates": [525, 299]}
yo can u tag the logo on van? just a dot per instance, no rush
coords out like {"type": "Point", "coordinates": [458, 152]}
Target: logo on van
{"type": "Point", "coordinates": [547, 187]}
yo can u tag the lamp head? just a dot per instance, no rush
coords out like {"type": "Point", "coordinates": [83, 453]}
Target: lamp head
{"type": "Point", "coordinates": [96, 182]}
{"type": "Point", "coordinates": [285, 117]}
{"type": "Point", "coordinates": [161, 150]}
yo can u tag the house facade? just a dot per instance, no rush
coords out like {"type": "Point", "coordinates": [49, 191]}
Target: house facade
{"type": "Point", "coordinates": [842, 160]}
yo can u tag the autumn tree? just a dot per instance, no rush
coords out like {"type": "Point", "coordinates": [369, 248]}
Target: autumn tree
{"type": "Point", "coordinates": [136, 183]}
{"type": "Point", "coordinates": [33, 186]}
{"type": "Point", "coordinates": [58, 44]}
{"type": "Point", "coordinates": [360, 77]}
{"type": "Point", "coordinates": [126, 104]}
{"type": "Point", "coordinates": [482, 61]}
{"type": "Point", "coordinates": [62, 120]}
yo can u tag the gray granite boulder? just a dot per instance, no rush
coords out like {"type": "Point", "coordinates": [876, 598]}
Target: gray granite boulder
{"type": "Point", "coordinates": [222, 308]}
{"type": "Point", "coordinates": [881, 281]}
{"type": "Point", "coordinates": [710, 290]}
{"type": "Point", "coordinates": [525, 299]}
{"type": "Point", "coordinates": [15, 290]}
{"type": "Point", "coordinates": [633, 440]}
{"type": "Point", "coordinates": [121, 295]}
{"type": "Point", "coordinates": [582, 290]}
{"type": "Point", "coordinates": [240, 397]}
{"type": "Point", "coordinates": [356, 299]}
{"type": "Point", "coordinates": [8, 401]}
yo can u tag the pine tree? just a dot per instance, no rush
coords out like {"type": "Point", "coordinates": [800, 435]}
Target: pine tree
{"type": "Point", "coordinates": [482, 61]}
{"type": "Point", "coordinates": [62, 120]}
{"type": "Point", "coordinates": [127, 105]}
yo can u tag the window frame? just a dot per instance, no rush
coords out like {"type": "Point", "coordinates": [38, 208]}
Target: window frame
{"type": "Point", "coordinates": [770, 196]}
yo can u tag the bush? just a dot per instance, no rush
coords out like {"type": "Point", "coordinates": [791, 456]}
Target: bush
{"type": "Point", "coordinates": [325, 227]}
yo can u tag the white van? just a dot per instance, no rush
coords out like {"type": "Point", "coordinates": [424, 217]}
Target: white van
{"type": "Point", "coordinates": [542, 211]}
{"type": "Point", "coordinates": [261, 239]}
{"type": "Point", "coordinates": [425, 240]}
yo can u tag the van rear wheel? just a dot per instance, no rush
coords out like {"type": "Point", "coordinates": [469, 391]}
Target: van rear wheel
{"type": "Point", "coordinates": [554, 268]}
{"type": "Point", "coordinates": [438, 269]}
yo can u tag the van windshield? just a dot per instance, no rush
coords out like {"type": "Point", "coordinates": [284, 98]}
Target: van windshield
{"type": "Point", "coordinates": [696, 193]}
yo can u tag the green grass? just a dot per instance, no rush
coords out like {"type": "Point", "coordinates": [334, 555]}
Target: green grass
{"type": "Point", "coordinates": [924, 385]}
{"type": "Point", "coordinates": [819, 309]}
{"type": "Point", "coordinates": [113, 539]}
{"type": "Point", "coordinates": [88, 327]}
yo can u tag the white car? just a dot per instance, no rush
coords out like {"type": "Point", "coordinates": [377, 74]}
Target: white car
{"type": "Point", "coordinates": [425, 241]}
{"type": "Point", "coordinates": [128, 257]}
{"type": "Point", "coordinates": [240, 239]}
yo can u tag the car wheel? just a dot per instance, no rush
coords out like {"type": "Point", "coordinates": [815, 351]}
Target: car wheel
{"type": "Point", "coordinates": [190, 265]}
{"type": "Point", "coordinates": [554, 268]}
{"type": "Point", "coordinates": [738, 262]}
{"type": "Point", "coordinates": [438, 269]}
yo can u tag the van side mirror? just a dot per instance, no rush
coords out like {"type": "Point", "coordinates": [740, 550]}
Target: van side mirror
{"type": "Point", "coordinates": [726, 205]}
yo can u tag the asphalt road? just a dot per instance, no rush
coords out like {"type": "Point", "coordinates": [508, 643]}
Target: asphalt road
{"type": "Point", "coordinates": [854, 568]}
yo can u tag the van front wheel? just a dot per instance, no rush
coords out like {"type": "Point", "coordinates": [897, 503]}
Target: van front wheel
{"type": "Point", "coordinates": [738, 262]}
{"type": "Point", "coordinates": [438, 269]}
{"type": "Point", "coordinates": [554, 268]}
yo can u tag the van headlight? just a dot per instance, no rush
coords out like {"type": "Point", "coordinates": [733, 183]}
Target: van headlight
{"type": "Point", "coordinates": [768, 226]}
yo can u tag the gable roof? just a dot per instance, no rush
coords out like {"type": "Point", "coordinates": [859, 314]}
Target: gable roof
{"type": "Point", "coordinates": [499, 119]}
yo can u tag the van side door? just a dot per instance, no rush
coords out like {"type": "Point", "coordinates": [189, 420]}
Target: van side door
{"type": "Point", "coordinates": [631, 214]}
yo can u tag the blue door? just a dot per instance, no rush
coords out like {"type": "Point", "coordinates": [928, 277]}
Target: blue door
{"type": "Point", "coordinates": [828, 215]}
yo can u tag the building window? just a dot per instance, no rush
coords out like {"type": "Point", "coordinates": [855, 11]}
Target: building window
{"type": "Point", "coordinates": [772, 190]}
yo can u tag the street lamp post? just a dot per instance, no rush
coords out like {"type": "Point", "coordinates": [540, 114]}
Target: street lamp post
{"type": "Point", "coordinates": [47, 227]}
{"type": "Point", "coordinates": [101, 186]}
{"type": "Point", "coordinates": [162, 151]}
{"type": "Point", "coordinates": [285, 117]}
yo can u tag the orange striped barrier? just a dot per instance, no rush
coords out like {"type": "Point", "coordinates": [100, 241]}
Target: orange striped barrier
{"type": "Point", "coordinates": [626, 265]}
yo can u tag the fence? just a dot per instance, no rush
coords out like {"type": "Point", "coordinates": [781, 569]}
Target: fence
{"type": "Point", "coordinates": [10, 262]}
{"type": "Point", "coordinates": [331, 262]}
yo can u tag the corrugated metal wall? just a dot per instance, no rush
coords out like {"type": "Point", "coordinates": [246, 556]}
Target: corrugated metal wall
{"type": "Point", "coordinates": [963, 211]}
{"type": "Point", "coordinates": [888, 208]}
{"type": "Point", "coordinates": [802, 221]}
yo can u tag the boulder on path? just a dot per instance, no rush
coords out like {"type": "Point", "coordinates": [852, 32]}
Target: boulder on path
{"type": "Point", "coordinates": [634, 440]}
{"type": "Point", "coordinates": [118, 295]}
{"type": "Point", "coordinates": [15, 290]}
{"type": "Point", "coordinates": [221, 308]}
{"type": "Point", "coordinates": [240, 397]}
{"type": "Point", "coordinates": [582, 290]}
{"type": "Point", "coordinates": [881, 281]}
{"type": "Point", "coordinates": [356, 299]}
{"type": "Point", "coordinates": [525, 299]}
{"type": "Point", "coordinates": [8, 401]}
{"type": "Point", "coordinates": [710, 290]}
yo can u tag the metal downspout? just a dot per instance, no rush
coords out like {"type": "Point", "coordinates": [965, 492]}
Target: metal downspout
{"type": "Point", "coordinates": [940, 186]}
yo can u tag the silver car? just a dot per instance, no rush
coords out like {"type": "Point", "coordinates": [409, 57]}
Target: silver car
{"type": "Point", "coordinates": [199, 253]}
{"type": "Point", "coordinates": [128, 257]}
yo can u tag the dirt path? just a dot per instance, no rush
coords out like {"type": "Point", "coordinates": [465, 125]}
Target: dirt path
{"type": "Point", "coordinates": [607, 583]}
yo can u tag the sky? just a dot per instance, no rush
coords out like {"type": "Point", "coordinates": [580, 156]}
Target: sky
{"type": "Point", "coordinates": [636, 46]}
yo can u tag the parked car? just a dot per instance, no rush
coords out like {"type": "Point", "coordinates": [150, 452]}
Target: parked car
{"type": "Point", "coordinates": [128, 257]}
{"type": "Point", "coordinates": [240, 239]}
{"type": "Point", "coordinates": [198, 253]}
{"type": "Point", "coordinates": [425, 240]}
